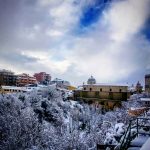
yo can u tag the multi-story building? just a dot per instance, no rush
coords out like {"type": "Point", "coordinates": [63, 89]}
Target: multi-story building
{"type": "Point", "coordinates": [145, 102]}
{"type": "Point", "coordinates": [139, 87]}
{"type": "Point", "coordinates": [7, 78]}
{"type": "Point", "coordinates": [61, 83]}
{"type": "Point", "coordinates": [105, 94]}
{"type": "Point", "coordinates": [24, 79]}
{"type": "Point", "coordinates": [43, 77]}
{"type": "Point", "coordinates": [147, 83]}
{"type": "Point", "coordinates": [103, 91]}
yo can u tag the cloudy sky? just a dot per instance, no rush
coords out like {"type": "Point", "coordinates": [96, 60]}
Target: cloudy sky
{"type": "Point", "coordinates": [74, 39]}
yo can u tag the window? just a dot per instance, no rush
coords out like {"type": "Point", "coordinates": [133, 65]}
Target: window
{"type": "Point", "coordinates": [120, 90]}
{"type": "Point", "coordinates": [110, 90]}
{"type": "Point", "coordinates": [84, 88]}
{"type": "Point", "coordinates": [101, 89]}
{"type": "Point", "coordinates": [146, 86]}
{"type": "Point", "coordinates": [90, 89]}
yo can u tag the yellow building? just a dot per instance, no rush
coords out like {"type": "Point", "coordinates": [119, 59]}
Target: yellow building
{"type": "Point", "coordinates": [108, 95]}
{"type": "Point", "coordinates": [10, 89]}
{"type": "Point", "coordinates": [101, 91]}
{"type": "Point", "coordinates": [70, 87]}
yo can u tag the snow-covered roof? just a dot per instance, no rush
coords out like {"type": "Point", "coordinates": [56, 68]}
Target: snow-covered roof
{"type": "Point", "coordinates": [56, 79]}
{"type": "Point", "coordinates": [4, 70]}
{"type": "Point", "coordinates": [137, 108]}
{"type": "Point", "coordinates": [12, 87]}
{"type": "Point", "coordinates": [25, 88]}
{"type": "Point", "coordinates": [132, 88]}
{"type": "Point", "coordinates": [79, 88]}
{"type": "Point", "coordinates": [107, 84]}
{"type": "Point", "coordinates": [145, 99]}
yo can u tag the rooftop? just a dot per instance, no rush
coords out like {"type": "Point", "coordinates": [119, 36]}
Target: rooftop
{"type": "Point", "coordinates": [106, 84]}
{"type": "Point", "coordinates": [145, 99]}
{"type": "Point", "coordinates": [147, 75]}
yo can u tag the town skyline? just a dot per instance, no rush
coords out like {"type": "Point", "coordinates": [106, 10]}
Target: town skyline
{"type": "Point", "coordinates": [107, 39]}
{"type": "Point", "coordinates": [46, 78]}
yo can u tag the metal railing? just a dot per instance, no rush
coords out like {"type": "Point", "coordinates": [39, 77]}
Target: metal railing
{"type": "Point", "coordinates": [127, 138]}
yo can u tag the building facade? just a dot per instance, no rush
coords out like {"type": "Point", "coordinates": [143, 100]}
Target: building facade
{"type": "Point", "coordinates": [61, 83]}
{"type": "Point", "coordinates": [106, 95]}
{"type": "Point", "coordinates": [7, 78]}
{"type": "Point", "coordinates": [139, 87]}
{"type": "Point", "coordinates": [105, 92]}
{"type": "Point", "coordinates": [43, 77]}
{"type": "Point", "coordinates": [91, 80]}
{"type": "Point", "coordinates": [147, 83]}
{"type": "Point", "coordinates": [24, 79]}
{"type": "Point", "coordinates": [145, 102]}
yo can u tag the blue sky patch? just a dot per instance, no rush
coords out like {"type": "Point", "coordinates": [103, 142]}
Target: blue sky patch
{"type": "Point", "coordinates": [146, 30]}
{"type": "Point", "coordinates": [92, 13]}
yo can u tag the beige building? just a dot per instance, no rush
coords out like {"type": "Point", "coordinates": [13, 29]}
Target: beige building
{"type": "Point", "coordinates": [147, 83]}
{"type": "Point", "coordinates": [101, 91]}
{"type": "Point", "coordinates": [108, 95]}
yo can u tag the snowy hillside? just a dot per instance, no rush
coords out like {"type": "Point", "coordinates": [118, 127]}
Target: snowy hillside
{"type": "Point", "coordinates": [49, 121]}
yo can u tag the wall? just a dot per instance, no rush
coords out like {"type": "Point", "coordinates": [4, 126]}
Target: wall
{"type": "Point", "coordinates": [105, 88]}
{"type": "Point", "coordinates": [147, 83]}
{"type": "Point", "coordinates": [102, 92]}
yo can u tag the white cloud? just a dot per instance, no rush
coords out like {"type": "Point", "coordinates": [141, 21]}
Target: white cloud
{"type": "Point", "coordinates": [112, 49]}
{"type": "Point", "coordinates": [46, 60]}
{"type": "Point", "coordinates": [54, 33]}
{"type": "Point", "coordinates": [115, 49]}
{"type": "Point", "coordinates": [64, 16]}
{"type": "Point", "coordinates": [49, 2]}
{"type": "Point", "coordinates": [126, 18]}
{"type": "Point", "coordinates": [41, 55]}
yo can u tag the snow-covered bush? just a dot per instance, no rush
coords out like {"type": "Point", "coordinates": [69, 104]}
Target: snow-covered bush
{"type": "Point", "coordinates": [110, 139]}
{"type": "Point", "coordinates": [19, 126]}
{"type": "Point", "coordinates": [119, 129]}
{"type": "Point", "coordinates": [34, 122]}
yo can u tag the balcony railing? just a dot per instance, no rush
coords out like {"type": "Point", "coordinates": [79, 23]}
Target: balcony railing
{"type": "Point", "coordinates": [137, 124]}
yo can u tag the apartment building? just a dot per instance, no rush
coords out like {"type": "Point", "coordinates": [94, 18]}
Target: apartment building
{"type": "Point", "coordinates": [43, 77]}
{"type": "Point", "coordinates": [24, 79]}
{"type": "Point", "coordinates": [7, 78]}
{"type": "Point", "coordinates": [61, 83]}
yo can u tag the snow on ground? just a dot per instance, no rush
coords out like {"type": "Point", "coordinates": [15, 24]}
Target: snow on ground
{"type": "Point", "coordinates": [119, 129]}
{"type": "Point", "coordinates": [62, 123]}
